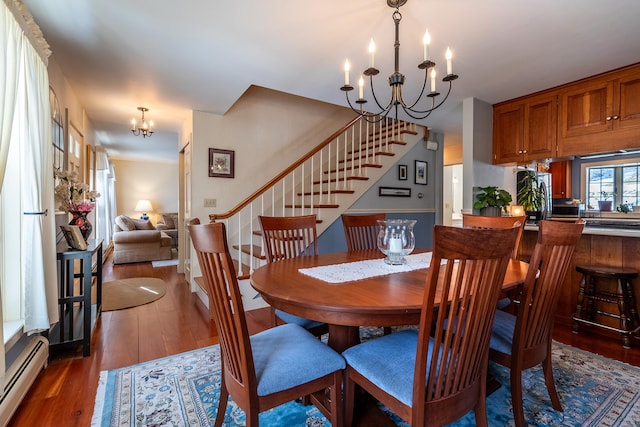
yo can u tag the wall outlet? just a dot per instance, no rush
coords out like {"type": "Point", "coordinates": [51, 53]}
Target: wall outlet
{"type": "Point", "coordinates": [209, 203]}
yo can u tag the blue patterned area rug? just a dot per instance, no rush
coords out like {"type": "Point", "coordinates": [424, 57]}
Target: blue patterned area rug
{"type": "Point", "coordinates": [183, 390]}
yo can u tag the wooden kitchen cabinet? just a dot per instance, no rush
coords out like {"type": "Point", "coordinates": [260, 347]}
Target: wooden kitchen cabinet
{"type": "Point", "coordinates": [600, 114]}
{"type": "Point", "coordinates": [560, 179]}
{"type": "Point", "coordinates": [525, 129]}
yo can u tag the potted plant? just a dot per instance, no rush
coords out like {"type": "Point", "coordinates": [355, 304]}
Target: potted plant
{"type": "Point", "coordinates": [530, 196]}
{"type": "Point", "coordinates": [491, 201]}
{"type": "Point", "coordinates": [606, 201]}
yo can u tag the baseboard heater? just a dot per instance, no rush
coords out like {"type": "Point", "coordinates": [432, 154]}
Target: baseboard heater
{"type": "Point", "coordinates": [21, 375]}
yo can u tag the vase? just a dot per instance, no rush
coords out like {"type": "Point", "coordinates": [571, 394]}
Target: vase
{"type": "Point", "coordinates": [605, 205]}
{"type": "Point", "coordinates": [491, 211]}
{"type": "Point", "coordinates": [396, 239]}
{"type": "Point", "coordinates": [80, 219]}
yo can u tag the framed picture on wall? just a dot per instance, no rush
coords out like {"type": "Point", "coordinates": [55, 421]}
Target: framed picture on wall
{"type": "Point", "coordinates": [402, 172]}
{"type": "Point", "coordinates": [421, 172]}
{"type": "Point", "coordinates": [221, 163]}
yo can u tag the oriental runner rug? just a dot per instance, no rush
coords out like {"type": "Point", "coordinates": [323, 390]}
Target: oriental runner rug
{"type": "Point", "coordinates": [183, 390]}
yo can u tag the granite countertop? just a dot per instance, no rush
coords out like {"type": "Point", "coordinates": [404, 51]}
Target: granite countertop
{"type": "Point", "coordinates": [601, 230]}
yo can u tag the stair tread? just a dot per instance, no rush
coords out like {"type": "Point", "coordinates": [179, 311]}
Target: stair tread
{"type": "Point", "coordinates": [321, 205]}
{"type": "Point", "coordinates": [257, 250]}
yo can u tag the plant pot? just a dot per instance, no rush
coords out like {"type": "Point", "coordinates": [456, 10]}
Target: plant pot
{"type": "Point", "coordinates": [80, 219]}
{"type": "Point", "coordinates": [604, 205]}
{"type": "Point", "coordinates": [491, 211]}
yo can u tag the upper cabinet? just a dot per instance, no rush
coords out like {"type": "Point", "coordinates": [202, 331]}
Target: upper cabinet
{"type": "Point", "coordinates": [525, 130]}
{"type": "Point", "coordinates": [600, 114]}
{"type": "Point", "coordinates": [594, 115]}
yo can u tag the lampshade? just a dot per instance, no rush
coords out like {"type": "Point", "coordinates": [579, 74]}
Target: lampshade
{"type": "Point", "coordinates": [144, 206]}
{"type": "Point", "coordinates": [516, 210]}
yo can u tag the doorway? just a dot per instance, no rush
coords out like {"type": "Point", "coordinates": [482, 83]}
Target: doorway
{"type": "Point", "coordinates": [452, 195]}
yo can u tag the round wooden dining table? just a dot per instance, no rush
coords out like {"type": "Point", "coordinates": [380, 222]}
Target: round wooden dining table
{"type": "Point", "coordinates": [388, 300]}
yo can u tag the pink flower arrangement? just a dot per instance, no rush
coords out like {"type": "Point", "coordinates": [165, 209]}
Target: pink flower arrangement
{"type": "Point", "coordinates": [72, 195]}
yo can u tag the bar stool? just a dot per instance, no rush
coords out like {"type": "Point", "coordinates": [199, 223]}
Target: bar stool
{"type": "Point", "coordinates": [588, 293]}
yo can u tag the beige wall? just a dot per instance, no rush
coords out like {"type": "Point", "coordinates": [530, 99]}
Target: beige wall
{"type": "Point", "coordinates": [155, 181]}
{"type": "Point", "coordinates": [452, 154]}
{"type": "Point", "coordinates": [268, 130]}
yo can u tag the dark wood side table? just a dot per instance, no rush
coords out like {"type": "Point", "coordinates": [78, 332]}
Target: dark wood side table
{"type": "Point", "coordinates": [78, 314]}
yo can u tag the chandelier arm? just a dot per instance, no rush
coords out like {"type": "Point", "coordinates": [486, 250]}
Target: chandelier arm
{"type": "Point", "coordinates": [424, 85]}
{"type": "Point", "coordinates": [368, 116]}
{"type": "Point", "coordinates": [435, 106]}
{"type": "Point", "coordinates": [375, 98]}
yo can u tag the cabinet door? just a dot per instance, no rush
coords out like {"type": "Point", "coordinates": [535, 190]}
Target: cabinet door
{"type": "Point", "coordinates": [628, 90]}
{"type": "Point", "coordinates": [541, 118]}
{"type": "Point", "coordinates": [586, 108]}
{"type": "Point", "coordinates": [560, 179]}
{"type": "Point", "coordinates": [508, 133]}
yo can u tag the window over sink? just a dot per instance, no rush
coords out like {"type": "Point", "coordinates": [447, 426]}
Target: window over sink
{"type": "Point", "coordinates": [618, 181]}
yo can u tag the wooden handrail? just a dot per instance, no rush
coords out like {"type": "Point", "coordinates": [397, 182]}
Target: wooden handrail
{"type": "Point", "coordinates": [281, 175]}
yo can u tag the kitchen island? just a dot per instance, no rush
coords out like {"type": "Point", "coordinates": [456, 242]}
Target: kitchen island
{"type": "Point", "coordinates": [601, 245]}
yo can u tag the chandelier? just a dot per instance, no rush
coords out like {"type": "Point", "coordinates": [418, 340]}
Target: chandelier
{"type": "Point", "coordinates": [396, 80]}
{"type": "Point", "coordinates": [145, 129]}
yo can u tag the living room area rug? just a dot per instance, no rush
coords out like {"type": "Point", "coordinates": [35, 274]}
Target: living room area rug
{"type": "Point", "coordinates": [127, 293]}
{"type": "Point", "coordinates": [184, 390]}
{"type": "Point", "coordinates": [167, 262]}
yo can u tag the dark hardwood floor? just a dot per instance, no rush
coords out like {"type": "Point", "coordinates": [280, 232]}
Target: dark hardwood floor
{"type": "Point", "coordinates": [64, 393]}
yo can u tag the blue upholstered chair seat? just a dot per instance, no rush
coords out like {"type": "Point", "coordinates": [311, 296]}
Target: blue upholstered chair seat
{"type": "Point", "coordinates": [502, 334]}
{"type": "Point", "coordinates": [301, 321]}
{"type": "Point", "coordinates": [388, 362]}
{"type": "Point", "coordinates": [288, 355]}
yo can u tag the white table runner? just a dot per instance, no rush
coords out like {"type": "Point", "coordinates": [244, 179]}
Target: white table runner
{"type": "Point", "coordinates": [358, 270]}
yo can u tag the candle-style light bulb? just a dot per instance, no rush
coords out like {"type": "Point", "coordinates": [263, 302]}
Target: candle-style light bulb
{"type": "Point", "coordinates": [347, 67]}
{"type": "Point", "coordinates": [372, 51]}
{"type": "Point", "coordinates": [433, 80]}
{"type": "Point", "coordinates": [449, 55]}
{"type": "Point", "coordinates": [426, 40]}
{"type": "Point", "coordinates": [133, 124]}
{"type": "Point", "coordinates": [361, 88]}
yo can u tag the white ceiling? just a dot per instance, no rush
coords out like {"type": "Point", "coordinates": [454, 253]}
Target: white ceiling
{"type": "Point", "coordinates": [177, 56]}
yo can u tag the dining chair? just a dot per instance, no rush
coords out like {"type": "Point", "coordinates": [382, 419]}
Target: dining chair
{"type": "Point", "coordinates": [482, 221]}
{"type": "Point", "coordinates": [434, 380]}
{"type": "Point", "coordinates": [287, 237]}
{"type": "Point", "coordinates": [523, 340]}
{"type": "Point", "coordinates": [269, 368]}
{"type": "Point", "coordinates": [361, 231]}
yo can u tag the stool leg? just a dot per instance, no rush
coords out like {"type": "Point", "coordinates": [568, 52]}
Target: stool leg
{"type": "Point", "coordinates": [581, 290]}
{"type": "Point", "coordinates": [625, 319]}
{"type": "Point", "coordinates": [634, 320]}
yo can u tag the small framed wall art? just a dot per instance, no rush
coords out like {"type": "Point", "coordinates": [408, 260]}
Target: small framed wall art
{"type": "Point", "coordinates": [394, 192]}
{"type": "Point", "coordinates": [221, 163]}
{"type": "Point", "coordinates": [421, 172]}
{"type": "Point", "coordinates": [402, 172]}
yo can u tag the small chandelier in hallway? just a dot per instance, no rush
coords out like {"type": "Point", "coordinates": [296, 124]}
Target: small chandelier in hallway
{"type": "Point", "coordinates": [396, 80]}
{"type": "Point", "coordinates": [145, 129]}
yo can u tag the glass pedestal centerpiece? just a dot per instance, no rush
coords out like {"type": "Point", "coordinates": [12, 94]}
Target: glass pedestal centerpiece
{"type": "Point", "coordinates": [396, 239]}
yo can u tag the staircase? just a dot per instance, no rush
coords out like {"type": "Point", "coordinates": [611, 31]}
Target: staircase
{"type": "Point", "coordinates": [326, 181]}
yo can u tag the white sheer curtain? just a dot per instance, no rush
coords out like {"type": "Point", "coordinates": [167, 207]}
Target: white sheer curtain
{"type": "Point", "coordinates": [38, 223]}
{"type": "Point", "coordinates": [10, 35]}
{"type": "Point", "coordinates": [25, 127]}
{"type": "Point", "coordinates": [105, 204]}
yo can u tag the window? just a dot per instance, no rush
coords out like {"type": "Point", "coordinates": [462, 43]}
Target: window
{"type": "Point", "coordinates": [619, 183]}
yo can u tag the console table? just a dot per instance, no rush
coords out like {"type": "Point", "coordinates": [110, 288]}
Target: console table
{"type": "Point", "coordinates": [77, 312]}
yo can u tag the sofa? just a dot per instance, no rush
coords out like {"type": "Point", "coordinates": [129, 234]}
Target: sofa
{"type": "Point", "coordinates": [137, 240]}
{"type": "Point", "coordinates": [169, 225]}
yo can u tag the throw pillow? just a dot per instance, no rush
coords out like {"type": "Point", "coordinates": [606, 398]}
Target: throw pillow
{"type": "Point", "coordinates": [142, 224]}
{"type": "Point", "coordinates": [170, 220]}
{"type": "Point", "coordinates": [125, 223]}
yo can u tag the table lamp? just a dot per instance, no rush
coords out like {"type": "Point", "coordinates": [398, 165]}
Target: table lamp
{"type": "Point", "coordinates": [144, 206]}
